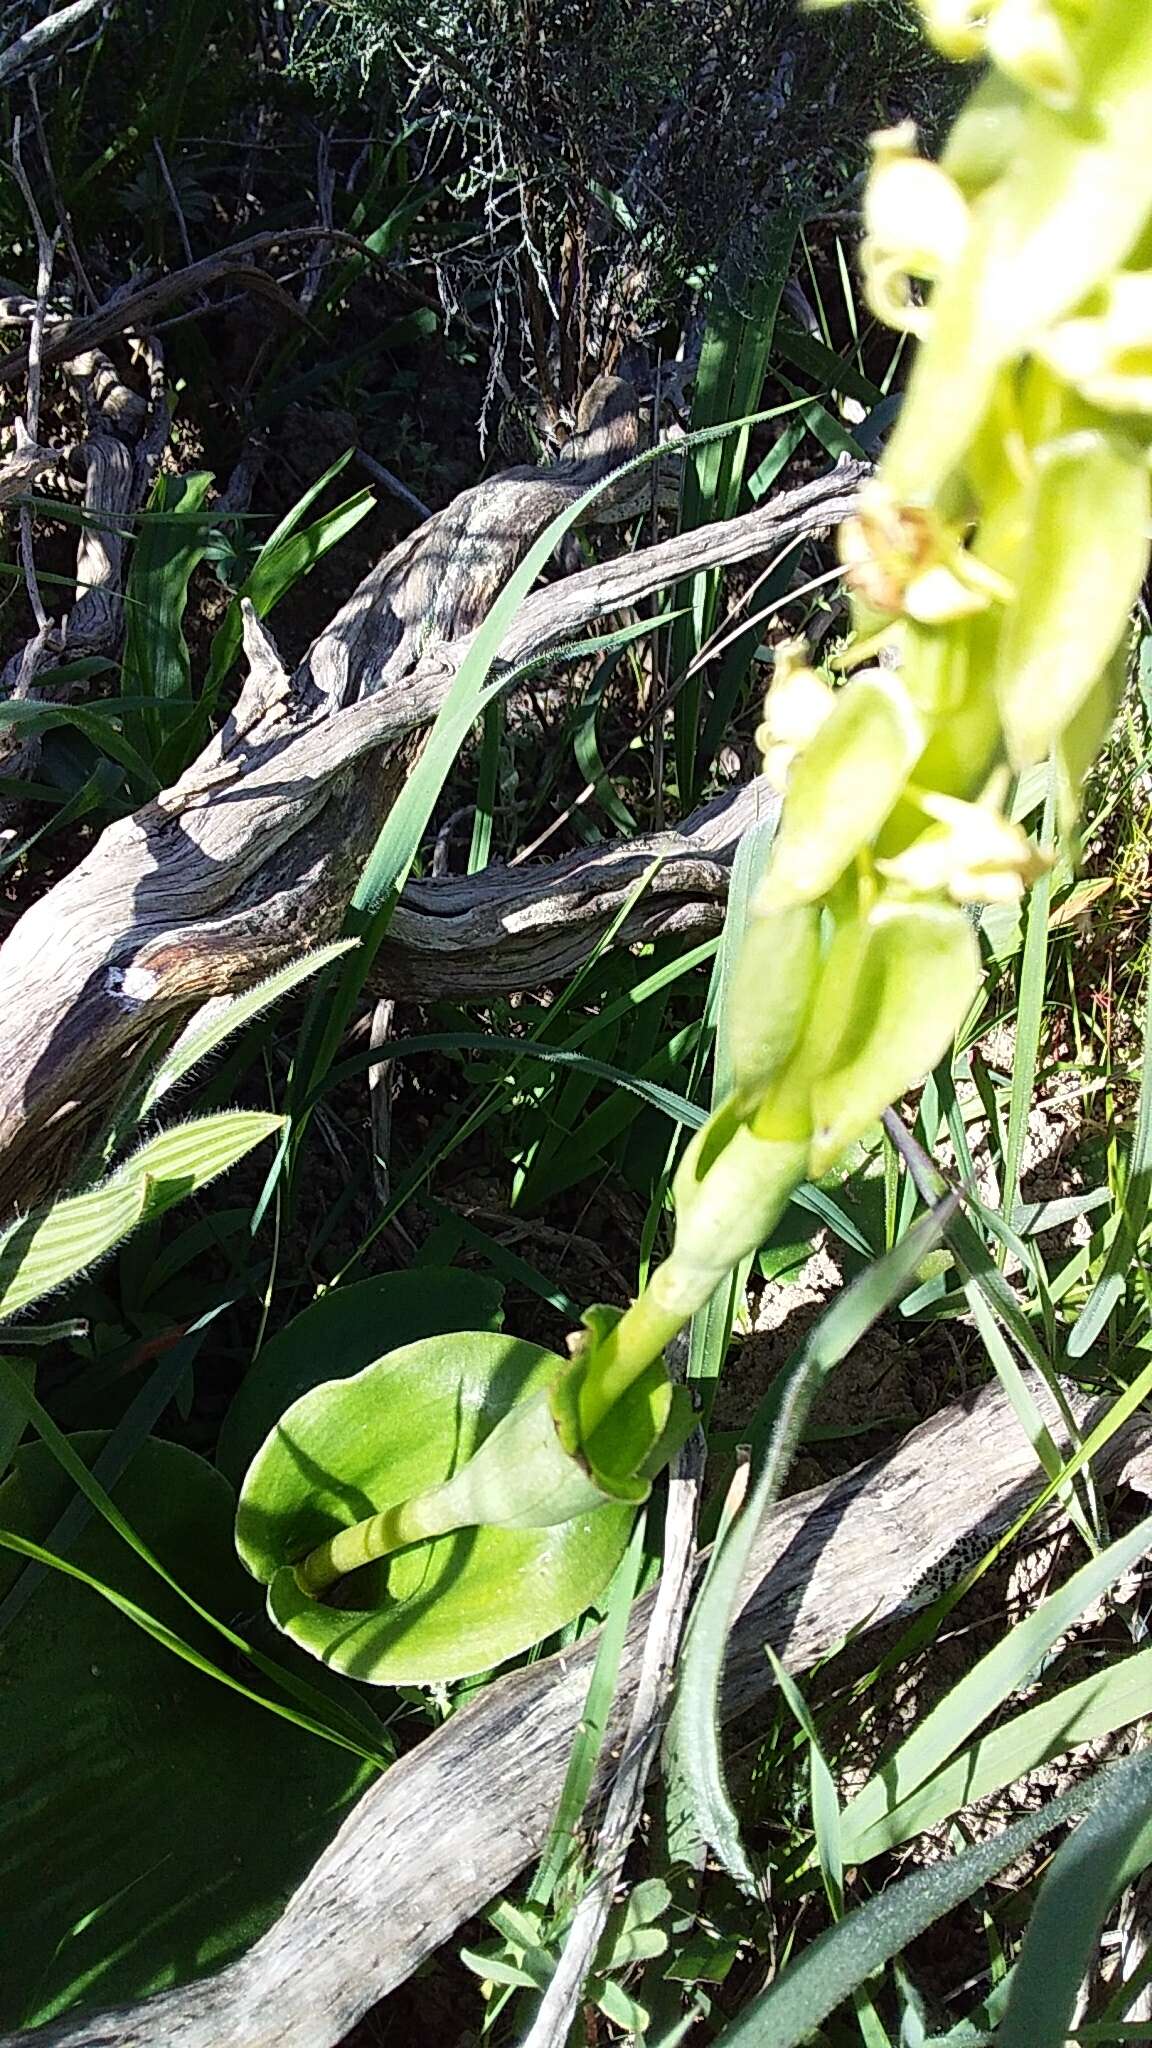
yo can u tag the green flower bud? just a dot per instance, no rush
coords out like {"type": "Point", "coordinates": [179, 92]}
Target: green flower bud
{"type": "Point", "coordinates": [1029, 41]}
{"type": "Point", "coordinates": [1068, 209]}
{"type": "Point", "coordinates": [841, 789]}
{"type": "Point", "coordinates": [1083, 565]}
{"type": "Point", "coordinates": [1106, 354]}
{"type": "Point", "coordinates": [731, 1188]}
{"type": "Point", "coordinates": [771, 994]}
{"type": "Point", "coordinates": [894, 989]}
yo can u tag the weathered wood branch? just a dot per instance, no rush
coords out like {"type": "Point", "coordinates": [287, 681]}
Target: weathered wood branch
{"type": "Point", "coordinates": [506, 929]}
{"type": "Point", "coordinates": [41, 41]}
{"type": "Point", "coordinates": [252, 855]}
{"type": "Point", "coordinates": [124, 438]}
{"type": "Point", "coordinates": [20, 469]}
{"type": "Point", "coordinates": [451, 1825]}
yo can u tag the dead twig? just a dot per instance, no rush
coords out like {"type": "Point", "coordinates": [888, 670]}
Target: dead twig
{"type": "Point", "coordinates": [44, 260]}
{"type": "Point", "coordinates": [141, 308]}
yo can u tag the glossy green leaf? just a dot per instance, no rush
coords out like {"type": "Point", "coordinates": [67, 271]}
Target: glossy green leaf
{"type": "Point", "coordinates": [154, 1822]}
{"type": "Point", "coordinates": [342, 1332]}
{"type": "Point", "coordinates": [437, 1609]}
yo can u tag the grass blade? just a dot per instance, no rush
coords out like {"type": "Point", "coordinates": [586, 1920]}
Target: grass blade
{"type": "Point", "coordinates": [1110, 1847]}
{"type": "Point", "coordinates": [1111, 1287]}
{"type": "Point", "coordinates": [1109, 1700]}
{"type": "Point", "coordinates": [985, 1688]}
{"type": "Point", "coordinates": [848, 1954]}
{"type": "Point", "coordinates": [697, 1793]}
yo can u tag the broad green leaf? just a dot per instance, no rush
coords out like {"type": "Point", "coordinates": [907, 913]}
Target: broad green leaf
{"type": "Point", "coordinates": [153, 1822]}
{"type": "Point", "coordinates": [44, 1249]}
{"type": "Point", "coordinates": [439, 1609]}
{"type": "Point", "coordinates": [342, 1332]}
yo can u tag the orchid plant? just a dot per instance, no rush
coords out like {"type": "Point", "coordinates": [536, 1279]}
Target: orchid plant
{"type": "Point", "coordinates": [465, 1496]}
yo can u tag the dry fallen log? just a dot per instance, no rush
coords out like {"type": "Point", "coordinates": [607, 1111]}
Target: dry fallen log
{"type": "Point", "coordinates": [452, 1824]}
{"type": "Point", "coordinates": [252, 855]}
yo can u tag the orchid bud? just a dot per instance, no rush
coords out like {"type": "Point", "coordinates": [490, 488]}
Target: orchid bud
{"type": "Point", "coordinates": [1030, 43]}
{"type": "Point", "coordinates": [902, 558]}
{"type": "Point", "coordinates": [842, 788]}
{"type": "Point", "coordinates": [794, 710]}
{"type": "Point", "coordinates": [771, 996]}
{"type": "Point", "coordinates": [896, 986]}
{"type": "Point", "coordinates": [1106, 354]}
{"type": "Point", "coordinates": [731, 1189]}
{"type": "Point", "coordinates": [955, 26]}
{"type": "Point", "coordinates": [1085, 560]}
{"type": "Point", "coordinates": [915, 226]}
{"type": "Point", "coordinates": [971, 853]}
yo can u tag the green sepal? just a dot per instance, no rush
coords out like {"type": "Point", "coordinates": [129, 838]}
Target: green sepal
{"type": "Point", "coordinates": [772, 989]}
{"type": "Point", "coordinates": [1082, 571]}
{"type": "Point", "coordinates": [1082, 738]}
{"type": "Point", "coordinates": [841, 789]}
{"type": "Point", "coordinates": [618, 1454]}
{"type": "Point", "coordinates": [899, 984]}
{"type": "Point", "coordinates": [682, 1420]}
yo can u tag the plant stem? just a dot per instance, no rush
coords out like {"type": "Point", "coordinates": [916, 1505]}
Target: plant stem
{"type": "Point", "coordinates": [413, 1521]}
{"type": "Point", "coordinates": [628, 1351]}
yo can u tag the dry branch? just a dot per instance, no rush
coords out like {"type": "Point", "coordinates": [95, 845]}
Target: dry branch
{"type": "Point", "coordinates": [138, 310]}
{"type": "Point", "coordinates": [506, 929]}
{"type": "Point", "coordinates": [42, 40]}
{"type": "Point", "coordinates": [20, 469]}
{"type": "Point", "coordinates": [251, 857]}
{"type": "Point", "coordinates": [451, 1825]}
